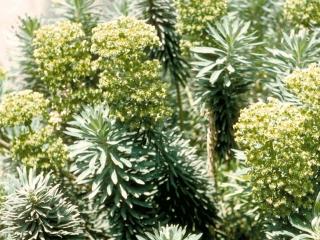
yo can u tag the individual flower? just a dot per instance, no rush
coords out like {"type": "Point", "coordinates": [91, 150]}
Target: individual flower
{"type": "Point", "coordinates": [302, 13]}
{"type": "Point", "coordinates": [281, 144]}
{"type": "Point", "coordinates": [19, 108]}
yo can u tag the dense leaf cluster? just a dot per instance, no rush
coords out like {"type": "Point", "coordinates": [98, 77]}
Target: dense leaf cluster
{"type": "Point", "coordinates": [170, 232]}
{"type": "Point", "coordinates": [38, 210]}
{"type": "Point", "coordinates": [139, 182]}
{"type": "Point", "coordinates": [224, 74]}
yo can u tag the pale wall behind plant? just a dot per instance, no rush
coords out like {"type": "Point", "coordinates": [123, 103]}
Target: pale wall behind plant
{"type": "Point", "coordinates": [10, 10]}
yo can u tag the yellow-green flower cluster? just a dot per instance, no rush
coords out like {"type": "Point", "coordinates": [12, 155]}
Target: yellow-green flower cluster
{"type": "Point", "coordinates": [281, 146]}
{"type": "Point", "coordinates": [130, 81]}
{"type": "Point", "coordinates": [71, 101]}
{"type": "Point", "coordinates": [41, 149]}
{"type": "Point", "coordinates": [126, 37]}
{"type": "Point", "coordinates": [62, 55]}
{"type": "Point", "coordinates": [305, 84]}
{"type": "Point", "coordinates": [194, 16]}
{"type": "Point", "coordinates": [2, 74]}
{"type": "Point", "coordinates": [19, 108]}
{"type": "Point", "coordinates": [302, 13]}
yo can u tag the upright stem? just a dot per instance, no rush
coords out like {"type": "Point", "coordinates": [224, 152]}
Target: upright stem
{"type": "Point", "coordinates": [4, 144]}
{"type": "Point", "coordinates": [180, 108]}
{"type": "Point", "coordinates": [211, 146]}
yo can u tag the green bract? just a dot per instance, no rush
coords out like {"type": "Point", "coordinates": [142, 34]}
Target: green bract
{"type": "Point", "coordinates": [280, 142]}
{"type": "Point", "coordinates": [194, 17]}
{"type": "Point", "coordinates": [19, 108]}
{"type": "Point", "coordinates": [62, 55]}
{"type": "Point", "coordinates": [37, 210]}
{"type": "Point", "coordinates": [125, 38]}
{"type": "Point", "coordinates": [123, 62]}
{"type": "Point", "coordinates": [305, 83]}
{"type": "Point", "coordinates": [41, 149]}
{"type": "Point", "coordinates": [302, 12]}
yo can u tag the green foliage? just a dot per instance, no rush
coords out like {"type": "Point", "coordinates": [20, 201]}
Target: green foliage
{"type": "Point", "coordinates": [184, 190]}
{"type": "Point", "coordinates": [117, 9]}
{"type": "Point", "coordinates": [280, 141]}
{"type": "Point", "coordinates": [194, 17]}
{"type": "Point", "coordinates": [225, 73]}
{"type": "Point", "coordinates": [302, 13]}
{"type": "Point", "coordinates": [37, 210]}
{"type": "Point", "coordinates": [19, 108]}
{"type": "Point", "coordinates": [306, 226]}
{"type": "Point", "coordinates": [239, 214]}
{"type": "Point", "coordinates": [297, 50]}
{"type": "Point", "coordinates": [170, 232]}
{"type": "Point", "coordinates": [162, 15]}
{"type": "Point", "coordinates": [124, 64]}
{"type": "Point", "coordinates": [28, 27]}
{"type": "Point", "coordinates": [265, 17]}
{"type": "Point", "coordinates": [79, 11]}
{"type": "Point", "coordinates": [131, 173]}
{"type": "Point", "coordinates": [130, 169]}
{"type": "Point", "coordinates": [114, 167]}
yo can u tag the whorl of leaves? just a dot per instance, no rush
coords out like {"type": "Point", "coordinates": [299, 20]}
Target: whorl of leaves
{"type": "Point", "coordinates": [183, 188]}
{"type": "Point", "coordinates": [114, 168]}
{"type": "Point", "coordinates": [225, 73]}
{"type": "Point", "coordinates": [162, 15]}
{"type": "Point", "coordinates": [266, 17]}
{"type": "Point", "coordinates": [170, 232]}
{"type": "Point", "coordinates": [25, 33]}
{"type": "Point", "coordinates": [298, 49]}
{"type": "Point", "coordinates": [37, 210]}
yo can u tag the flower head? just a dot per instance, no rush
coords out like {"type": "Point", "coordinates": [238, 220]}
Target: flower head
{"type": "Point", "coordinates": [19, 108]}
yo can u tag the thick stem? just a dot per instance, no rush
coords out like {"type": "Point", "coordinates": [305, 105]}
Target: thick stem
{"type": "Point", "coordinates": [190, 98]}
{"type": "Point", "coordinates": [180, 108]}
{"type": "Point", "coordinates": [4, 144]}
{"type": "Point", "coordinates": [211, 146]}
